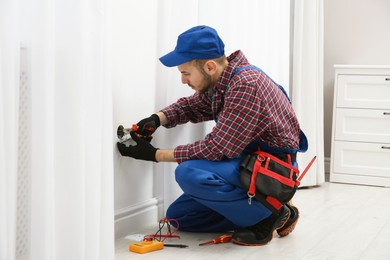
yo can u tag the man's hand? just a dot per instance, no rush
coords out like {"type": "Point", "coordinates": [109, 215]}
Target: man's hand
{"type": "Point", "coordinates": [147, 126]}
{"type": "Point", "coordinates": [142, 151]}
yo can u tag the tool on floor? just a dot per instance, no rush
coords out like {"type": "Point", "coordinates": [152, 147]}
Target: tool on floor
{"type": "Point", "coordinates": [222, 239]}
{"type": "Point", "coordinates": [155, 241]}
{"type": "Point", "coordinates": [170, 233]}
{"type": "Point", "coordinates": [176, 245]}
{"type": "Point", "coordinates": [146, 246]}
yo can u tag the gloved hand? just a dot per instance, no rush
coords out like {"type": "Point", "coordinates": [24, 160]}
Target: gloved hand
{"type": "Point", "coordinates": [147, 126]}
{"type": "Point", "coordinates": [142, 151]}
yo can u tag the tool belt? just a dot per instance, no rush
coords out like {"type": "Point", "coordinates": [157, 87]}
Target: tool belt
{"type": "Point", "coordinates": [270, 178]}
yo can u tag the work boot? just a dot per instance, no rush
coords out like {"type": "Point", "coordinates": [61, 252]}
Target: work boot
{"type": "Point", "coordinates": [262, 232]}
{"type": "Point", "coordinates": [290, 224]}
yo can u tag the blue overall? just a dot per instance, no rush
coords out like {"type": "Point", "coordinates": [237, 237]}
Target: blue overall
{"type": "Point", "coordinates": [213, 199]}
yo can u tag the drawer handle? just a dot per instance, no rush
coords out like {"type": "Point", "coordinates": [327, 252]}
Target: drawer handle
{"type": "Point", "coordinates": [386, 113]}
{"type": "Point", "coordinates": [387, 79]}
{"type": "Point", "coordinates": [385, 147]}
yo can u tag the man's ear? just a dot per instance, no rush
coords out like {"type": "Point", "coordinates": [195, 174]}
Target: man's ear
{"type": "Point", "coordinates": [210, 67]}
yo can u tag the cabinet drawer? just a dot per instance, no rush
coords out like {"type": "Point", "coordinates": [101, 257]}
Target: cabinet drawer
{"type": "Point", "coordinates": [362, 125]}
{"type": "Point", "coordinates": [363, 91]}
{"type": "Point", "coordinates": [361, 159]}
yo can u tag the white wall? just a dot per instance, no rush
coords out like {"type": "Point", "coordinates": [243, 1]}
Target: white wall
{"type": "Point", "coordinates": [134, 36]}
{"type": "Point", "coordinates": [356, 32]}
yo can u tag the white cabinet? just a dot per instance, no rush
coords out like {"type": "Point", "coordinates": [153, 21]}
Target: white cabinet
{"type": "Point", "coordinates": [361, 125]}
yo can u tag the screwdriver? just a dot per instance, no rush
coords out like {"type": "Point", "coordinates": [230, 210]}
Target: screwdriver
{"type": "Point", "coordinates": [135, 129]}
{"type": "Point", "coordinates": [222, 239]}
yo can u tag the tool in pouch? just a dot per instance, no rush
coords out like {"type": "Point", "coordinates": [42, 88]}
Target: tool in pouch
{"type": "Point", "coordinates": [124, 133]}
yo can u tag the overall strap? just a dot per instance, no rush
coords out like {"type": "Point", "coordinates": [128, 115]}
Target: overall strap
{"type": "Point", "coordinates": [303, 143]}
{"type": "Point", "coordinates": [258, 69]}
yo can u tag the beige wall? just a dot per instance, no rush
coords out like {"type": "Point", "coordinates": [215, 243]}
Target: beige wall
{"type": "Point", "coordinates": [356, 32]}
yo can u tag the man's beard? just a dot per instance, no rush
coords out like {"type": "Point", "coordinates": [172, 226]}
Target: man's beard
{"type": "Point", "coordinates": [207, 83]}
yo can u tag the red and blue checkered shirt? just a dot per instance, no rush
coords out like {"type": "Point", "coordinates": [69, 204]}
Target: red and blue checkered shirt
{"type": "Point", "coordinates": [246, 106]}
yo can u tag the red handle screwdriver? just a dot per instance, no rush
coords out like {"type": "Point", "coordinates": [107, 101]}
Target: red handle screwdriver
{"type": "Point", "coordinates": [135, 128]}
{"type": "Point", "coordinates": [221, 239]}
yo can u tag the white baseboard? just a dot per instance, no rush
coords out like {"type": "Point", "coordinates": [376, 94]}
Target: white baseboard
{"type": "Point", "coordinates": [136, 217]}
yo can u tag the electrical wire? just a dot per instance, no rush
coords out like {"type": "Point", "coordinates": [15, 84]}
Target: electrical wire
{"type": "Point", "coordinates": [159, 236]}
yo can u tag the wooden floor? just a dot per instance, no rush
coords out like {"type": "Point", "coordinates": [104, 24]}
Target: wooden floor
{"type": "Point", "coordinates": [338, 221]}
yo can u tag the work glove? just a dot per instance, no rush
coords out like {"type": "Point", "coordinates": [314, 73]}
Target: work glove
{"type": "Point", "coordinates": [142, 151]}
{"type": "Point", "coordinates": [147, 126]}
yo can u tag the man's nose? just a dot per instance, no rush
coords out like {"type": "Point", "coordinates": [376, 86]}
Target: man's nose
{"type": "Point", "coordinates": [184, 80]}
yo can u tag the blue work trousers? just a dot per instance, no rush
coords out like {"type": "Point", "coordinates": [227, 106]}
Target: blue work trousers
{"type": "Point", "coordinates": [213, 199]}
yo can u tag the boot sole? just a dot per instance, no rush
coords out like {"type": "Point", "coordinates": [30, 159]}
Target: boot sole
{"type": "Point", "coordinates": [272, 236]}
{"type": "Point", "coordinates": [284, 231]}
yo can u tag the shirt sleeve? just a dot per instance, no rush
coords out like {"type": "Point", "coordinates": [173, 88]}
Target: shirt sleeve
{"type": "Point", "coordinates": [195, 109]}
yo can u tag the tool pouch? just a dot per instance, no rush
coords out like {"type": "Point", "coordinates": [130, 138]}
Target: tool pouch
{"type": "Point", "coordinates": [269, 179]}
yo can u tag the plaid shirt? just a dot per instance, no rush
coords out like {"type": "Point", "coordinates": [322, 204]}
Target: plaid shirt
{"type": "Point", "coordinates": [247, 106]}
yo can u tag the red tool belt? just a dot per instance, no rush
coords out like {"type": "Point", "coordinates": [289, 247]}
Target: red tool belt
{"type": "Point", "coordinates": [269, 179]}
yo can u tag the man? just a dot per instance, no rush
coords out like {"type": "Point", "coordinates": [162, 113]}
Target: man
{"type": "Point", "coordinates": [250, 111]}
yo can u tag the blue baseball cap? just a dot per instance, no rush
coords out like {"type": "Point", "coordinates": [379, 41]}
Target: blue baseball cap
{"type": "Point", "coordinates": [199, 42]}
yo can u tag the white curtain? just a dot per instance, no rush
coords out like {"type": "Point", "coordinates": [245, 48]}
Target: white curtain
{"type": "Point", "coordinates": [9, 74]}
{"type": "Point", "coordinates": [56, 155]}
{"type": "Point", "coordinates": [307, 87]}
{"type": "Point", "coordinates": [259, 28]}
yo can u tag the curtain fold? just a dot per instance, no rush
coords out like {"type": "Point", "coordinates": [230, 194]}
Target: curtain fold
{"type": "Point", "coordinates": [307, 89]}
{"type": "Point", "coordinates": [69, 205]}
{"type": "Point", "coordinates": [9, 78]}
